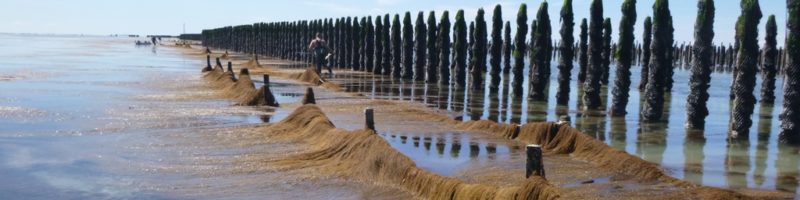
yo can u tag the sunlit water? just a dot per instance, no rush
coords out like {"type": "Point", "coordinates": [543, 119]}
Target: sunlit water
{"type": "Point", "coordinates": [701, 157]}
{"type": "Point", "coordinates": [99, 118]}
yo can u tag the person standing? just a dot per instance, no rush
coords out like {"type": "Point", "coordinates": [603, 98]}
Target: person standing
{"type": "Point", "coordinates": [319, 49]}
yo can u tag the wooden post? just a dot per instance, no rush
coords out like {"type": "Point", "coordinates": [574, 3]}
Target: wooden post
{"type": "Point", "coordinates": [230, 67]}
{"type": "Point", "coordinates": [534, 164]}
{"type": "Point", "coordinates": [266, 89]}
{"type": "Point", "coordinates": [208, 64]}
{"type": "Point", "coordinates": [369, 115]}
{"type": "Point", "coordinates": [309, 97]}
{"type": "Point", "coordinates": [208, 61]}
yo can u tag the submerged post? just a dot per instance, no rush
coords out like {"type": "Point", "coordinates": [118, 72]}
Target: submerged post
{"type": "Point", "coordinates": [534, 164]}
{"type": "Point", "coordinates": [309, 97]}
{"type": "Point", "coordinates": [369, 115]}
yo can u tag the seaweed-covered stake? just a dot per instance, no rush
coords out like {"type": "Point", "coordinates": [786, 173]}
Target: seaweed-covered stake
{"type": "Point", "coordinates": [591, 97]}
{"type": "Point", "coordinates": [378, 67]}
{"type": "Point", "coordinates": [408, 47]}
{"type": "Point", "coordinates": [496, 47]}
{"type": "Point", "coordinates": [769, 66]}
{"type": "Point", "coordinates": [607, 49]}
{"type": "Point", "coordinates": [746, 65]}
{"type": "Point", "coordinates": [647, 38]}
{"type": "Point", "coordinates": [369, 45]}
{"type": "Point", "coordinates": [387, 46]}
{"type": "Point", "coordinates": [356, 36]}
{"type": "Point", "coordinates": [460, 49]}
{"type": "Point", "coordinates": [534, 165]}
{"type": "Point", "coordinates": [433, 53]}
{"type": "Point", "coordinates": [541, 53]}
{"type": "Point", "coordinates": [309, 97]}
{"type": "Point", "coordinates": [624, 54]}
{"type": "Point", "coordinates": [471, 46]}
{"type": "Point", "coordinates": [421, 42]}
{"type": "Point", "coordinates": [348, 43]}
{"type": "Point", "coordinates": [230, 67]}
{"type": "Point", "coordinates": [696, 109]}
{"type": "Point", "coordinates": [397, 48]}
{"type": "Point", "coordinates": [566, 53]}
{"type": "Point", "coordinates": [369, 117]}
{"type": "Point", "coordinates": [660, 61]}
{"type": "Point", "coordinates": [519, 50]}
{"type": "Point", "coordinates": [507, 48]}
{"type": "Point", "coordinates": [444, 49]}
{"type": "Point", "coordinates": [790, 115]}
{"type": "Point", "coordinates": [219, 64]}
{"type": "Point", "coordinates": [583, 52]}
{"type": "Point", "coordinates": [479, 52]}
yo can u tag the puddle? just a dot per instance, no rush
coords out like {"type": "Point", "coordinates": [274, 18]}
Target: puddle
{"type": "Point", "coordinates": [446, 154]}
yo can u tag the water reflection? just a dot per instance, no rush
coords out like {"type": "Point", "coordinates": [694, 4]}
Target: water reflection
{"type": "Point", "coordinates": [693, 154]}
{"type": "Point", "coordinates": [701, 157]}
{"type": "Point", "coordinates": [452, 150]}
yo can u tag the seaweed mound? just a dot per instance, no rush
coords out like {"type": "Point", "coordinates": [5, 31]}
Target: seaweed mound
{"type": "Point", "coordinates": [242, 89]}
{"type": "Point", "coordinates": [365, 156]}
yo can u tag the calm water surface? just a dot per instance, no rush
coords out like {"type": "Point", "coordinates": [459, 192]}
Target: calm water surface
{"type": "Point", "coordinates": [99, 118]}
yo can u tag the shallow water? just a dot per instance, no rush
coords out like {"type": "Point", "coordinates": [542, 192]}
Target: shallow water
{"type": "Point", "coordinates": [99, 118]}
{"type": "Point", "coordinates": [701, 157]}
{"type": "Point", "coordinates": [448, 153]}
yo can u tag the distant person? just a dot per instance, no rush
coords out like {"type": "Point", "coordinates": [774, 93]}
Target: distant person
{"type": "Point", "coordinates": [319, 49]}
{"type": "Point", "coordinates": [153, 39]}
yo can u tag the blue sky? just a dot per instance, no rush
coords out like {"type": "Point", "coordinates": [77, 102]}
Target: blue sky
{"type": "Point", "coordinates": [102, 17]}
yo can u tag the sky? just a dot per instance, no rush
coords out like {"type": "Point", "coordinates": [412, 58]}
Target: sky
{"type": "Point", "coordinates": [148, 17]}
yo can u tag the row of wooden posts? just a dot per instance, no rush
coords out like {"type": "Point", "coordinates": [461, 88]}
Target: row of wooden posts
{"type": "Point", "coordinates": [422, 52]}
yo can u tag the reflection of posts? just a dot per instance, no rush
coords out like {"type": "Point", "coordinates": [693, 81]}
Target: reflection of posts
{"type": "Point", "coordinates": [534, 164]}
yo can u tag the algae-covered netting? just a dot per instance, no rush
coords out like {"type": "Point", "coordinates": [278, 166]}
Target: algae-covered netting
{"type": "Point", "coordinates": [365, 156]}
{"type": "Point", "coordinates": [562, 139]}
{"type": "Point", "coordinates": [242, 89]}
